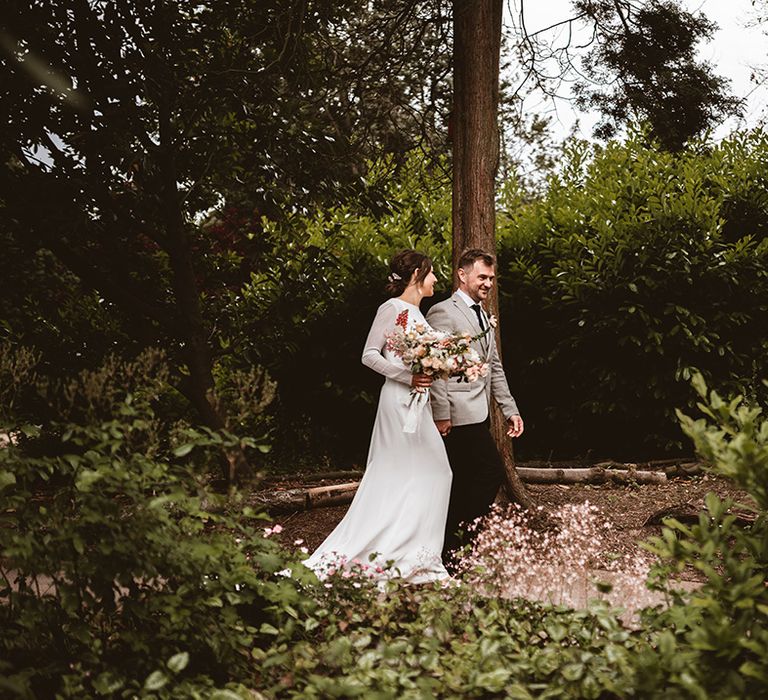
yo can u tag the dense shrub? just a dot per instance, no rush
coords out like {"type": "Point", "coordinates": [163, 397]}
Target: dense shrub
{"type": "Point", "coordinates": [634, 269]}
{"type": "Point", "coordinates": [115, 556]}
{"type": "Point", "coordinates": [308, 307]}
{"type": "Point", "coordinates": [713, 643]}
{"type": "Point", "coordinates": [125, 577]}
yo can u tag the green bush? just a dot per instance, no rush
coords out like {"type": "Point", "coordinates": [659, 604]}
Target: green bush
{"type": "Point", "coordinates": [425, 642]}
{"type": "Point", "coordinates": [306, 311]}
{"type": "Point", "coordinates": [114, 554]}
{"type": "Point", "coordinates": [713, 643]}
{"type": "Point", "coordinates": [125, 577]}
{"type": "Point", "coordinates": [634, 269]}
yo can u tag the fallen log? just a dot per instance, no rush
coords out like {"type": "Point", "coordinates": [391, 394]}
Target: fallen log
{"type": "Point", "coordinates": [290, 500]}
{"type": "Point", "coordinates": [684, 469]}
{"type": "Point", "coordinates": [318, 495]}
{"type": "Point", "coordinates": [592, 475]}
{"type": "Point", "coordinates": [671, 467]}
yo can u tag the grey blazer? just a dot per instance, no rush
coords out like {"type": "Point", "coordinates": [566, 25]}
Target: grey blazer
{"type": "Point", "coordinates": [465, 403]}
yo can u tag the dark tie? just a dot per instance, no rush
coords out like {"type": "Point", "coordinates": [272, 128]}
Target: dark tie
{"type": "Point", "coordinates": [479, 313]}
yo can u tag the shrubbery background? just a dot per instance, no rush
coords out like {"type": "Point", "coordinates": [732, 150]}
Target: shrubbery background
{"type": "Point", "coordinates": [635, 268]}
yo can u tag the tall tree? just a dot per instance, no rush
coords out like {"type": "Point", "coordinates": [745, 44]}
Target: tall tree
{"type": "Point", "coordinates": [127, 121]}
{"type": "Point", "coordinates": [644, 67]}
{"type": "Point", "coordinates": [475, 133]}
{"type": "Point", "coordinates": [639, 64]}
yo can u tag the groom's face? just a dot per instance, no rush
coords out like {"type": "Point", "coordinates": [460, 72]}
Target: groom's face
{"type": "Point", "coordinates": [477, 281]}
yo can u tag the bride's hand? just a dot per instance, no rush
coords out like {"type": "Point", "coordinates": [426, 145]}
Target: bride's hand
{"type": "Point", "coordinates": [421, 381]}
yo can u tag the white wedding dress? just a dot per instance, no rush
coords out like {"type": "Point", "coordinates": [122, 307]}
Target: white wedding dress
{"type": "Point", "coordinates": [400, 508]}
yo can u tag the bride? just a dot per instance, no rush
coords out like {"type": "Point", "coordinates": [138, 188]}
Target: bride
{"type": "Point", "coordinates": [397, 518]}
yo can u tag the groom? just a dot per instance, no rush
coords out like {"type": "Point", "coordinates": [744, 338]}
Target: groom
{"type": "Point", "coordinates": [461, 409]}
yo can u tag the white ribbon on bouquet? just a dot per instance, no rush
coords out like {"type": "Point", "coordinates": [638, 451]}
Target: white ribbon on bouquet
{"type": "Point", "coordinates": [416, 402]}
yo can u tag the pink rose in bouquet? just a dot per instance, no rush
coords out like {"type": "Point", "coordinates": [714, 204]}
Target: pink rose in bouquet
{"type": "Point", "coordinates": [438, 354]}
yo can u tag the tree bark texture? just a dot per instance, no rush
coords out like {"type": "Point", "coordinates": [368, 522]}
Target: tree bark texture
{"type": "Point", "coordinates": [476, 50]}
{"type": "Point", "coordinates": [475, 135]}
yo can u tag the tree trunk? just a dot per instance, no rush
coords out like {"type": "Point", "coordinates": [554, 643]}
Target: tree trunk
{"type": "Point", "coordinates": [475, 134]}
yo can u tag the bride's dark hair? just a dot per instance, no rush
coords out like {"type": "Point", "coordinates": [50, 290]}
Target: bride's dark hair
{"type": "Point", "coordinates": [402, 267]}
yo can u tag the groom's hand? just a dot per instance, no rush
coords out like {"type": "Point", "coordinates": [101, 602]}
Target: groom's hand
{"type": "Point", "coordinates": [515, 426]}
{"type": "Point", "coordinates": [443, 427]}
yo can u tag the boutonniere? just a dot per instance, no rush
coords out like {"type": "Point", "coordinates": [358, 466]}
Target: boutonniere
{"type": "Point", "coordinates": [493, 321]}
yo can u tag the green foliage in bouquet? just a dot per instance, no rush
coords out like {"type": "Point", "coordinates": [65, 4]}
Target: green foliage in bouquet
{"type": "Point", "coordinates": [634, 269]}
{"type": "Point", "coordinates": [115, 556]}
{"type": "Point", "coordinates": [713, 643]}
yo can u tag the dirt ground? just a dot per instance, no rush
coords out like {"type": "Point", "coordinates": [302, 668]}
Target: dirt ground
{"type": "Point", "coordinates": [627, 508]}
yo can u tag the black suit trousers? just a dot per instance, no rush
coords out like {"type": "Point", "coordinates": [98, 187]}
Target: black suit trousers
{"type": "Point", "coordinates": [478, 471]}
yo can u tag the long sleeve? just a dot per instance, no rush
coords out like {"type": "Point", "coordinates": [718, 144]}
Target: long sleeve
{"type": "Point", "coordinates": [374, 345]}
{"type": "Point", "coordinates": [441, 405]}
{"type": "Point", "coordinates": [500, 387]}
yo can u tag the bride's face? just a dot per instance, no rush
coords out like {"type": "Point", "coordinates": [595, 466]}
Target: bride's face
{"type": "Point", "coordinates": [428, 285]}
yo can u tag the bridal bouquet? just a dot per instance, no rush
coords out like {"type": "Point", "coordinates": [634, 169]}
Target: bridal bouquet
{"type": "Point", "coordinates": [438, 354]}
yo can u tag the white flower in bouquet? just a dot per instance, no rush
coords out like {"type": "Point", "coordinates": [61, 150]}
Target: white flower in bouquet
{"type": "Point", "coordinates": [438, 354]}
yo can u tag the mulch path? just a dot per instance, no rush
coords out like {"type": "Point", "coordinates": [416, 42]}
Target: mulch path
{"type": "Point", "coordinates": [625, 507]}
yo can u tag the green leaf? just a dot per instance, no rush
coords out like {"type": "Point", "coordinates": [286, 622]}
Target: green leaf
{"type": "Point", "coordinates": [184, 450]}
{"type": "Point", "coordinates": [30, 431]}
{"type": "Point", "coordinates": [493, 681]}
{"type": "Point", "coordinates": [155, 681]}
{"type": "Point", "coordinates": [107, 683]}
{"type": "Point", "coordinates": [572, 672]}
{"type": "Point", "coordinates": [754, 670]}
{"type": "Point", "coordinates": [6, 479]}
{"type": "Point", "coordinates": [225, 695]}
{"type": "Point", "coordinates": [86, 479]}
{"type": "Point", "coordinates": [77, 543]}
{"type": "Point", "coordinates": [178, 662]}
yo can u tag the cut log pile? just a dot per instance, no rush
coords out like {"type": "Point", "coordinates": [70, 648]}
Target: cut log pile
{"type": "Point", "coordinates": [281, 500]}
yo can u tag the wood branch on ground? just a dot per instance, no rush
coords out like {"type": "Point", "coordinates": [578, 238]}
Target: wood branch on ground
{"type": "Point", "coordinates": [670, 467]}
{"type": "Point", "coordinates": [290, 500]}
{"type": "Point", "coordinates": [593, 475]}
{"type": "Point", "coordinates": [279, 500]}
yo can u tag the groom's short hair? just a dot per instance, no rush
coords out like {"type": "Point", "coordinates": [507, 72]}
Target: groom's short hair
{"type": "Point", "coordinates": [468, 258]}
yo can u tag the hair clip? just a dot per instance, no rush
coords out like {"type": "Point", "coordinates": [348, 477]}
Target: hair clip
{"type": "Point", "coordinates": [393, 276]}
